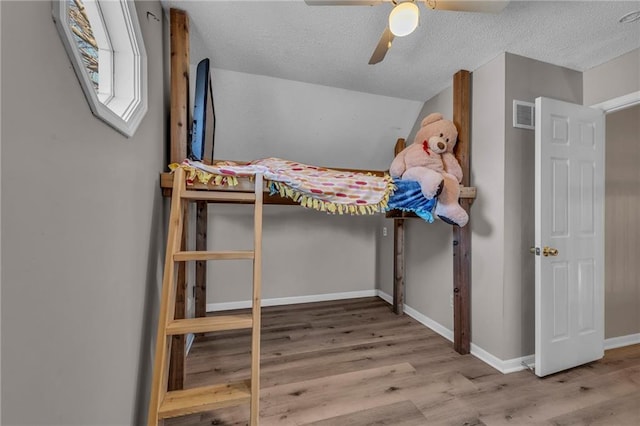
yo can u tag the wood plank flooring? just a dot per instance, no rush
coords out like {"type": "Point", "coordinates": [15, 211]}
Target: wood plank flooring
{"type": "Point", "coordinates": [356, 363]}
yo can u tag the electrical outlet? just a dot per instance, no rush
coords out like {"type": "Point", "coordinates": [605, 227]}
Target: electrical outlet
{"type": "Point", "coordinates": [384, 231]}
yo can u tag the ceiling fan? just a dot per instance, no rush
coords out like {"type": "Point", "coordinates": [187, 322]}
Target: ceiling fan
{"type": "Point", "coordinates": [405, 15]}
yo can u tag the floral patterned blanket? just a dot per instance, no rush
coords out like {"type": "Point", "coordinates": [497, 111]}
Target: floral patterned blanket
{"type": "Point", "coordinates": [332, 191]}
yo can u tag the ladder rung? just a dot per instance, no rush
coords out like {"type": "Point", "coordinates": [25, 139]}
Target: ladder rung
{"type": "Point", "coordinates": [218, 195]}
{"type": "Point", "coordinates": [209, 324]}
{"type": "Point", "coordinates": [182, 256]}
{"type": "Point", "coordinates": [206, 398]}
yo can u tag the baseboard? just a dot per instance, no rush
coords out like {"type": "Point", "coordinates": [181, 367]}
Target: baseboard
{"type": "Point", "coordinates": [620, 341]}
{"type": "Point", "coordinates": [503, 366]}
{"type": "Point", "coordinates": [422, 319]}
{"type": "Point", "coordinates": [518, 364]}
{"type": "Point", "coordinates": [243, 304]}
{"type": "Point", "coordinates": [384, 296]}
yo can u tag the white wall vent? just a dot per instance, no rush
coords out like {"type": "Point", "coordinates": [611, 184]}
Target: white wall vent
{"type": "Point", "coordinates": [524, 115]}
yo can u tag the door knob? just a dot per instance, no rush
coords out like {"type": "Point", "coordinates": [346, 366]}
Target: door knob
{"type": "Point", "coordinates": [549, 251]}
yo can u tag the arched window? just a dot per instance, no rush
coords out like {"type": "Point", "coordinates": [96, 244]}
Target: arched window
{"type": "Point", "coordinates": [104, 42]}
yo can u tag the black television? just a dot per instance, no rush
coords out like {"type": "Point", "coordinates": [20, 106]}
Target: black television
{"type": "Point", "coordinates": [203, 128]}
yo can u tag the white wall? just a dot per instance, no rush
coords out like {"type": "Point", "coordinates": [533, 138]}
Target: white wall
{"type": "Point", "coordinates": [305, 252]}
{"type": "Point", "coordinates": [82, 234]}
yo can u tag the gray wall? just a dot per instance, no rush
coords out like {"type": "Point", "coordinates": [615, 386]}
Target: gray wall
{"type": "Point", "coordinates": [622, 231]}
{"type": "Point", "coordinates": [442, 102]}
{"type": "Point", "coordinates": [0, 220]}
{"type": "Point", "coordinates": [428, 260]}
{"type": "Point", "coordinates": [612, 79]}
{"type": "Point", "coordinates": [502, 217]}
{"type": "Point", "coordinates": [619, 77]}
{"type": "Point", "coordinates": [261, 116]}
{"type": "Point", "coordinates": [305, 253]}
{"type": "Point", "coordinates": [82, 234]}
{"type": "Point", "coordinates": [526, 79]}
{"type": "Point", "coordinates": [487, 211]}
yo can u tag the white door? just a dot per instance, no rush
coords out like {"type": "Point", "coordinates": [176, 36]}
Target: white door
{"type": "Point", "coordinates": [569, 221]}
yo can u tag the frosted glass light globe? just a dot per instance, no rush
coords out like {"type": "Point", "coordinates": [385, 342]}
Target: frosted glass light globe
{"type": "Point", "coordinates": [403, 19]}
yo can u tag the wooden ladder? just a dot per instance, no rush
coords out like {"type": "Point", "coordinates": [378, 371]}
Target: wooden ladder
{"type": "Point", "coordinates": [166, 404]}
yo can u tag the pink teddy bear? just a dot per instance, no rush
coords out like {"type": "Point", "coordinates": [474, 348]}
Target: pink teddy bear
{"type": "Point", "coordinates": [430, 162]}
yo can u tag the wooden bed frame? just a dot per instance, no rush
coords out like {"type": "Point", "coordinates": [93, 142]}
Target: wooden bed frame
{"type": "Point", "coordinates": [179, 25]}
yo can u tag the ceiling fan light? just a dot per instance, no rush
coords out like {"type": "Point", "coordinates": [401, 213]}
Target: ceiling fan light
{"type": "Point", "coordinates": [403, 19]}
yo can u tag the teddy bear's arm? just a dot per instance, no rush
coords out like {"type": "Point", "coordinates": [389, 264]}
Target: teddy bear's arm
{"type": "Point", "coordinates": [452, 166]}
{"type": "Point", "coordinates": [397, 167]}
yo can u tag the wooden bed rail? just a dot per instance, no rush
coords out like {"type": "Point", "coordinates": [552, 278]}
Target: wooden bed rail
{"type": "Point", "coordinates": [166, 182]}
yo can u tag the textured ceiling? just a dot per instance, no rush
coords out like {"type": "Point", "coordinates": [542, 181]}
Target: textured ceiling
{"type": "Point", "coordinates": [331, 45]}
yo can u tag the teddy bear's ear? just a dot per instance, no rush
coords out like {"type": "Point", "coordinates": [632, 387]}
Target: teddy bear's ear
{"type": "Point", "coordinates": [431, 118]}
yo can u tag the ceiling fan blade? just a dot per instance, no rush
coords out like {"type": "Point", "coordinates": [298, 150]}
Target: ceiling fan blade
{"type": "Point", "coordinates": [344, 2]}
{"type": "Point", "coordinates": [383, 46]}
{"type": "Point", "coordinates": [484, 6]}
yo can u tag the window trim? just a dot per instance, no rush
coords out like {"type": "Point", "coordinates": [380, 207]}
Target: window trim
{"type": "Point", "coordinates": [124, 104]}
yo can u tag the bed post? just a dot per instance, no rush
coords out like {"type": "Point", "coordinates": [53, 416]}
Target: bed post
{"type": "Point", "coordinates": [179, 127]}
{"type": "Point", "coordinates": [202, 214]}
{"type": "Point", "coordinates": [398, 252]}
{"type": "Point", "coordinates": [462, 236]}
{"type": "Point", "coordinates": [179, 25]}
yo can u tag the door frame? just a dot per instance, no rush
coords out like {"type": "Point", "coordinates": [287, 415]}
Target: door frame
{"type": "Point", "coordinates": [608, 106]}
{"type": "Point", "coordinates": [612, 105]}
{"type": "Point", "coordinates": [616, 104]}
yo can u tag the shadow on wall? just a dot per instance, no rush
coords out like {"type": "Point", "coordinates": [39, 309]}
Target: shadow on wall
{"type": "Point", "coordinates": [480, 223]}
{"type": "Point", "coordinates": [151, 305]}
{"type": "Point", "coordinates": [295, 218]}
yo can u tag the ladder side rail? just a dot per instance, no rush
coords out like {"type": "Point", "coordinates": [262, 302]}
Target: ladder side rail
{"type": "Point", "coordinates": [167, 301]}
{"type": "Point", "coordinates": [256, 311]}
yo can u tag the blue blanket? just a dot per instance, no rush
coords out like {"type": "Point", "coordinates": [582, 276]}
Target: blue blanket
{"type": "Point", "coordinates": [408, 197]}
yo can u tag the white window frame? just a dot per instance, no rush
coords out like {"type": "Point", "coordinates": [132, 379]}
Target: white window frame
{"type": "Point", "coordinates": [121, 100]}
{"type": "Point", "coordinates": [105, 51]}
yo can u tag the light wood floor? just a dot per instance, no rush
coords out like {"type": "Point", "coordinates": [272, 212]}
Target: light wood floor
{"type": "Point", "coordinates": [356, 363]}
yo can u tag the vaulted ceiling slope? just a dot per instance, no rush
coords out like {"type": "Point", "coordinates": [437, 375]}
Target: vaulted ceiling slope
{"type": "Point", "coordinates": [331, 45]}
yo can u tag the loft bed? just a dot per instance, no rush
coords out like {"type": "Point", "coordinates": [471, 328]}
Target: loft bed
{"type": "Point", "coordinates": [180, 61]}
